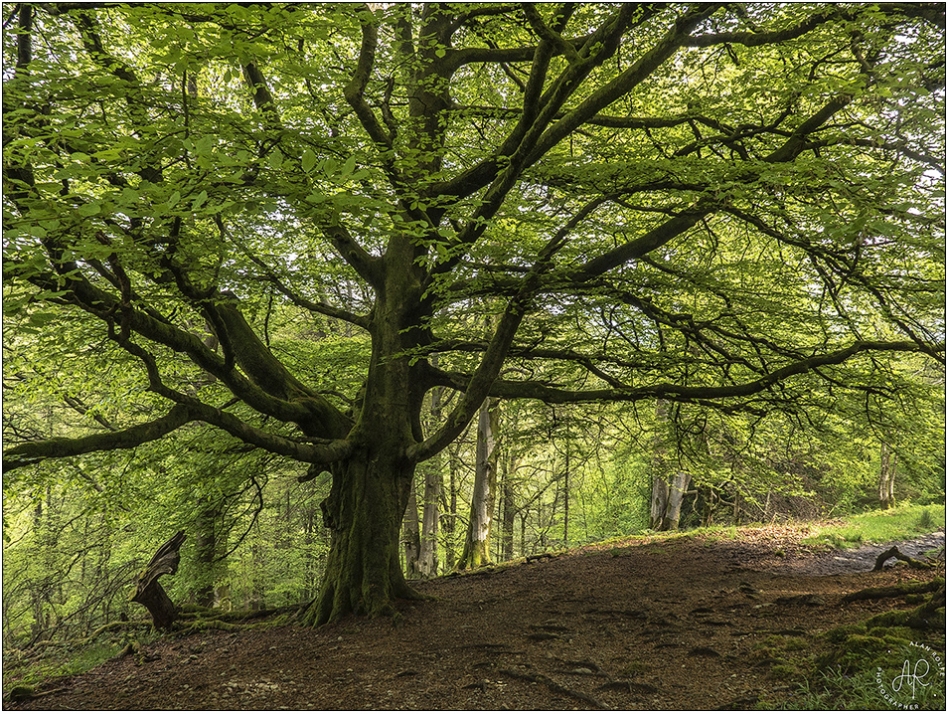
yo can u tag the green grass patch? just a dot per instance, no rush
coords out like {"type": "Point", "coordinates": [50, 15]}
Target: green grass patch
{"type": "Point", "coordinates": [34, 672]}
{"type": "Point", "coordinates": [899, 523]}
{"type": "Point", "coordinates": [888, 675]}
{"type": "Point", "coordinates": [893, 660]}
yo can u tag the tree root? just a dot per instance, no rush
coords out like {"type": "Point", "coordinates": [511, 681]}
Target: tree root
{"type": "Point", "coordinates": [895, 591]}
{"type": "Point", "coordinates": [594, 668]}
{"type": "Point", "coordinates": [130, 648]}
{"type": "Point", "coordinates": [24, 693]}
{"type": "Point", "coordinates": [199, 613]}
{"type": "Point", "coordinates": [217, 624]}
{"type": "Point", "coordinates": [930, 616]}
{"type": "Point", "coordinates": [894, 552]}
{"type": "Point", "coordinates": [113, 626]}
{"type": "Point", "coordinates": [559, 688]}
{"type": "Point", "coordinates": [629, 686]}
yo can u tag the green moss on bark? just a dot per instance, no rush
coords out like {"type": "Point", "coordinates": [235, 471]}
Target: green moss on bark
{"type": "Point", "coordinates": [363, 572]}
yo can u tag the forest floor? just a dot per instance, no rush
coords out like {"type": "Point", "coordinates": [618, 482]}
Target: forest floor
{"type": "Point", "coordinates": [683, 624]}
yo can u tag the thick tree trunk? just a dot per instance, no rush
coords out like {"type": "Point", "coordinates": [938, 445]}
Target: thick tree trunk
{"type": "Point", "coordinates": [370, 492]}
{"type": "Point", "coordinates": [364, 512]}
{"type": "Point", "coordinates": [667, 495]}
{"type": "Point", "coordinates": [477, 550]}
{"type": "Point", "coordinates": [887, 480]}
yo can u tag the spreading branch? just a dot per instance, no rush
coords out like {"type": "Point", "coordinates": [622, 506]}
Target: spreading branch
{"type": "Point", "coordinates": [37, 451]}
{"type": "Point", "coordinates": [675, 392]}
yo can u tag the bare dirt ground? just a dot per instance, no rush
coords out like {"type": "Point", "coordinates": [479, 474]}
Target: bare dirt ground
{"type": "Point", "coordinates": [664, 625]}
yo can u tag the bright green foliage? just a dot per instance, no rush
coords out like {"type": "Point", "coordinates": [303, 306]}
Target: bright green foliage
{"type": "Point", "coordinates": [269, 220]}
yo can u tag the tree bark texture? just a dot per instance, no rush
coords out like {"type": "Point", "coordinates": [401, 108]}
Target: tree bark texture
{"type": "Point", "coordinates": [364, 511]}
{"type": "Point", "coordinates": [450, 508]}
{"type": "Point", "coordinates": [428, 540]}
{"type": "Point", "coordinates": [149, 591]}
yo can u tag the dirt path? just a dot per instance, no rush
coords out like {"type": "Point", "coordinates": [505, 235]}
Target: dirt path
{"type": "Point", "coordinates": [649, 626]}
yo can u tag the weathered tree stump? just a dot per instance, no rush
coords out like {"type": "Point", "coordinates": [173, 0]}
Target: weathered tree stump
{"type": "Point", "coordinates": [150, 592]}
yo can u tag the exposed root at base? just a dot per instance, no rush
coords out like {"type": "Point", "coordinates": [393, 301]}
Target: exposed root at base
{"type": "Point", "coordinates": [879, 593]}
{"type": "Point", "coordinates": [894, 552]}
{"type": "Point", "coordinates": [559, 688]}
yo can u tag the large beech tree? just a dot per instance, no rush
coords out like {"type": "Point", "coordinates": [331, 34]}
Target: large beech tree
{"type": "Point", "coordinates": [729, 204]}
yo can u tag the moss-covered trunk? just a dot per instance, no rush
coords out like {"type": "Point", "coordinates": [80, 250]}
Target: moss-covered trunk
{"type": "Point", "coordinates": [364, 510]}
{"type": "Point", "coordinates": [371, 486]}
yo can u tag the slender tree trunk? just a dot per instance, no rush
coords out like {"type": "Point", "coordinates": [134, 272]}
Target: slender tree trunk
{"type": "Point", "coordinates": [37, 601]}
{"type": "Point", "coordinates": [667, 495]}
{"type": "Point", "coordinates": [887, 480]}
{"type": "Point", "coordinates": [428, 543]}
{"type": "Point", "coordinates": [451, 508]}
{"type": "Point", "coordinates": [411, 541]}
{"type": "Point", "coordinates": [566, 495]}
{"type": "Point", "coordinates": [205, 545]}
{"type": "Point", "coordinates": [668, 489]}
{"type": "Point", "coordinates": [477, 550]}
{"type": "Point", "coordinates": [309, 538]}
{"type": "Point", "coordinates": [507, 512]}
